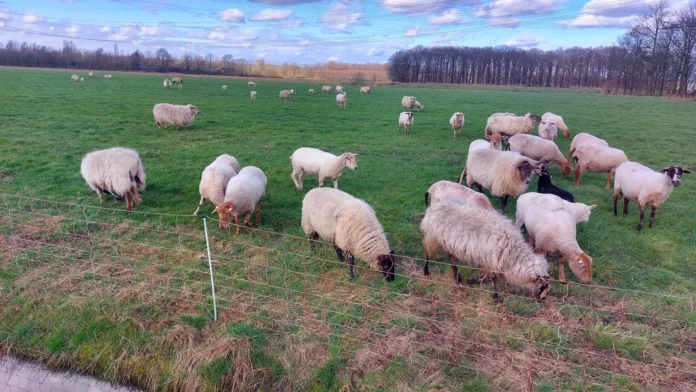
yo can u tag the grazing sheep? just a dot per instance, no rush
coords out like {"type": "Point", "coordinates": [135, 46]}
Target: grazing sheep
{"type": "Point", "coordinates": [339, 89]}
{"type": "Point", "coordinates": [550, 224]}
{"type": "Point", "coordinates": [167, 83]}
{"type": "Point", "coordinates": [91, 74]}
{"type": "Point", "coordinates": [224, 87]}
{"type": "Point", "coordinates": [251, 84]}
{"type": "Point", "coordinates": [82, 80]}
{"type": "Point", "coordinates": [312, 91]}
{"type": "Point", "coordinates": [445, 191]}
{"type": "Point", "coordinates": [555, 119]}
{"type": "Point", "coordinates": [485, 239]}
{"type": "Point", "coordinates": [243, 196]}
{"type": "Point", "coordinates": [285, 94]}
{"type": "Point", "coordinates": [181, 86]}
{"type": "Point", "coordinates": [548, 131]}
{"type": "Point", "coordinates": [417, 106]}
{"type": "Point", "coordinates": [215, 178]}
{"type": "Point", "coordinates": [584, 138]}
{"type": "Point", "coordinates": [365, 90]}
{"type": "Point", "coordinates": [74, 78]}
{"type": "Point", "coordinates": [177, 115]}
{"type": "Point", "coordinates": [350, 225]}
{"type": "Point", "coordinates": [597, 158]}
{"type": "Point", "coordinates": [107, 76]}
{"type": "Point", "coordinates": [252, 94]}
{"type": "Point", "coordinates": [508, 124]}
{"type": "Point", "coordinates": [118, 171]}
{"type": "Point", "coordinates": [326, 89]}
{"type": "Point", "coordinates": [539, 149]}
{"type": "Point", "coordinates": [457, 123]}
{"type": "Point", "coordinates": [545, 186]}
{"type": "Point", "coordinates": [341, 100]}
{"type": "Point", "coordinates": [293, 92]}
{"type": "Point", "coordinates": [504, 173]}
{"type": "Point", "coordinates": [177, 79]}
{"type": "Point", "coordinates": [635, 182]}
{"type": "Point", "coordinates": [484, 144]}
{"type": "Point", "coordinates": [306, 160]}
{"type": "Point", "coordinates": [406, 120]}
{"type": "Point", "coordinates": [408, 102]}
{"type": "Point", "coordinates": [580, 211]}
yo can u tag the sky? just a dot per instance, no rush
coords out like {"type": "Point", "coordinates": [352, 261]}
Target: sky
{"type": "Point", "coordinates": [316, 31]}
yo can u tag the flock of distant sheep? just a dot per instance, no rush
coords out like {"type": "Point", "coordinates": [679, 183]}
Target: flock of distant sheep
{"type": "Point", "coordinates": [458, 220]}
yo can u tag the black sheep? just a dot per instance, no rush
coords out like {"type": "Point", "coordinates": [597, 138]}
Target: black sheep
{"type": "Point", "coordinates": [545, 186]}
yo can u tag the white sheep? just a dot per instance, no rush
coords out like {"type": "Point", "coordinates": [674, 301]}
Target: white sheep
{"type": "Point", "coordinates": [243, 196]}
{"type": "Point", "coordinates": [635, 182]}
{"type": "Point", "coordinates": [495, 141]}
{"type": "Point", "coordinates": [406, 120]}
{"type": "Point", "coordinates": [457, 123]}
{"type": "Point", "coordinates": [312, 91]}
{"type": "Point", "coordinates": [177, 79]}
{"type": "Point", "coordinates": [167, 83]}
{"type": "Point", "coordinates": [584, 138]}
{"type": "Point", "coordinates": [555, 119]}
{"type": "Point", "coordinates": [417, 106]}
{"type": "Point", "coordinates": [504, 173]}
{"type": "Point", "coordinates": [326, 89]}
{"type": "Point", "coordinates": [285, 94]}
{"type": "Point", "coordinates": [177, 115]}
{"type": "Point", "coordinates": [224, 87]}
{"type": "Point", "coordinates": [581, 211]}
{"type": "Point", "coordinates": [107, 76]}
{"type": "Point", "coordinates": [350, 225]}
{"type": "Point", "coordinates": [82, 80]}
{"type": "Point", "coordinates": [365, 90]}
{"type": "Point", "coordinates": [215, 178]}
{"type": "Point", "coordinates": [341, 100]}
{"type": "Point", "coordinates": [339, 89]}
{"type": "Point", "coordinates": [74, 78]}
{"type": "Point", "coordinates": [539, 149]}
{"type": "Point", "coordinates": [444, 191]}
{"type": "Point", "coordinates": [251, 84]}
{"type": "Point", "coordinates": [252, 94]}
{"type": "Point", "coordinates": [293, 92]}
{"type": "Point", "coordinates": [306, 160]}
{"type": "Point", "coordinates": [548, 131]}
{"type": "Point", "coordinates": [597, 158]}
{"type": "Point", "coordinates": [91, 74]}
{"type": "Point", "coordinates": [508, 124]}
{"type": "Point", "coordinates": [485, 239]}
{"type": "Point", "coordinates": [408, 102]}
{"type": "Point", "coordinates": [550, 224]}
{"type": "Point", "coordinates": [118, 171]}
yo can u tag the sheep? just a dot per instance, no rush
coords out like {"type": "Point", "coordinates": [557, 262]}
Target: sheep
{"type": "Point", "coordinates": [167, 83]}
{"type": "Point", "coordinates": [339, 89]}
{"type": "Point", "coordinates": [118, 171]}
{"type": "Point", "coordinates": [408, 102]}
{"type": "Point", "coordinates": [597, 158]}
{"type": "Point", "coordinates": [224, 87]}
{"type": "Point", "coordinates": [82, 80]}
{"type": "Point", "coordinates": [243, 196]}
{"type": "Point", "coordinates": [557, 121]}
{"type": "Point", "coordinates": [326, 89]}
{"type": "Point", "coordinates": [107, 76]}
{"type": "Point", "coordinates": [178, 115]}
{"type": "Point", "coordinates": [508, 124]}
{"type": "Point", "coordinates": [74, 78]}
{"type": "Point", "coordinates": [341, 100]}
{"type": "Point", "coordinates": [312, 91]}
{"type": "Point", "coordinates": [635, 182]}
{"type": "Point", "coordinates": [252, 94]}
{"type": "Point", "coordinates": [480, 144]}
{"type": "Point", "coordinates": [365, 90]}
{"type": "Point", "coordinates": [406, 120]}
{"type": "Point", "coordinates": [584, 138]}
{"type": "Point", "coordinates": [457, 123]}
{"type": "Point", "coordinates": [444, 191]}
{"type": "Point", "coordinates": [580, 211]}
{"type": "Point", "coordinates": [417, 106]}
{"type": "Point", "coordinates": [177, 79]}
{"type": "Point", "coordinates": [215, 178]}
{"type": "Point", "coordinates": [306, 160]}
{"type": "Point", "coordinates": [504, 173]}
{"type": "Point", "coordinates": [545, 186]}
{"type": "Point", "coordinates": [285, 94]}
{"type": "Point", "coordinates": [91, 74]}
{"type": "Point", "coordinates": [495, 141]}
{"type": "Point", "coordinates": [181, 86]}
{"type": "Point", "coordinates": [548, 131]}
{"type": "Point", "coordinates": [550, 224]}
{"type": "Point", "coordinates": [539, 149]}
{"type": "Point", "coordinates": [293, 92]}
{"type": "Point", "coordinates": [351, 226]}
{"type": "Point", "coordinates": [251, 84]}
{"type": "Point", "coordinates": [485, 239]}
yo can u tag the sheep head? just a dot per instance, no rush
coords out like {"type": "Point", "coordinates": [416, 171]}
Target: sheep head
{"type": "Point", "coordinates": [541, 287]}
{"type": "Point", "coordinates": [386, 265]}
{"type": "Point", "coordinates": [348, 160]}
{"type": "Point", "coordinates": [496, 141]}
{"type": "Point", "coordinates": [565, 167]}
{"type": "Point", "coordinates": [526, 170]}
{"type": "Point", "coordinates": [535, 118]}
{"type": "Point", "coordinates": [225, 213]}
{"type": "Point", "coordinates": [674, 173]}
{"type": "Point", "coordinates": [581, 265]}
{"type": "Point", "coordinates": [194, 110]}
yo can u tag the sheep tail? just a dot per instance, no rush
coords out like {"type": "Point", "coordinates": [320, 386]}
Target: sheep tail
{"type": "Point", "coordinates": [427, 199]}
{"type": "Point", "coordinates": [461, 177]}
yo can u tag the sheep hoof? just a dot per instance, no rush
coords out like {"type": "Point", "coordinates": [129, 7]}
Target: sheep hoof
{"type": "Point", "coordinates": [563, 281]}
{"type": "Point", "coordinates": [473, 281]}
{"type": "Point", "coordinates": [639, 228]}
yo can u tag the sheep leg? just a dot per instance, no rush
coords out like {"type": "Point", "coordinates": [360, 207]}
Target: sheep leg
{"type": "Point", "coordinates": [292, 175]}
{"type": "Point", "coordinates": [652, 216]}
{"type": "Point", "coordinates": [128, 201]}
{"type": "Point", "coordinates": [247, 217]}
{"type": "Point", "coordinates": [339, 253]}
{"type": "Point", "coordinates": [236, 223]}
{"type": "Point", "coordinates": [641, 207]}
{"type": "Point", "coordinates": [135, 196]}
{"type": "Point", "coordinates": [617, 196]}
{"type": "Point", "coordinates": [503, 202]}
{"type": "Point", "coordinates": [609, 177]}
{"type": "Point", "coordinates": [313, 241]}
{"type": "Point", "coordinates": [300, 179]}
{"type": "Point", "coordinates": [561, 271]}
{"type": "Point", "coordinates": [351, 261]}
{"type": "Point", "coordinates": [101, 200]}
{"type": "Point", "coordinates": [200, 204]}
{"type": "Point", "coordinates": [455, 270]}
{"type": "Point", "coordinates": [258, 214]}
{"type": "Point", "coordinates": [578, 173]}
{"type": "Point", "coordinates": [626, 201]}
{"type": "Point", "coordinates": [426, 270]}
{"type": "Point", "coordinates": [495, 295]}
{"type": "Point", "coordinates": [335, 181]}
{"type": "Point", "coordinates": [321, 182]}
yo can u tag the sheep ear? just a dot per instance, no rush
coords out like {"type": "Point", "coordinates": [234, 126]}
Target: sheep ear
{"type": "Point", "coordinates": [593, 206]}
{"type": "Point", "coordinates": [215, 210]}
{"type": "Point", "coordinates": [487, 136]}
{"type": "Point", "coordinates": [686, 171]}
{"type": "Point", "coordinates": [666, 169]}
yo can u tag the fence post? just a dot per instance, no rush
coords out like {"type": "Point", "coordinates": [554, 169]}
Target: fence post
{"type": "Point", "coordinates": [210, 266]}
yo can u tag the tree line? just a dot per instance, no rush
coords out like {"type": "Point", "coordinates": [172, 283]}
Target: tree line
{"type": "Point", "coordinates": [656, 56]}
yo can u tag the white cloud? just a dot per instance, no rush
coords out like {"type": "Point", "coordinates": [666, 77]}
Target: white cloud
{"type": "Point", "coordinates": [305, 42]}
{"type": "Point", "coordinates": [105, 29]}
{"type": "Point", "coordinates": [525, 41]}
{"type": "Point", "coordinates": [51, 28]}
{"type": "Point", "coordinates": [150, 30]}
{"type": "Point", "coordinates": [587, 21]}
{"type": "Point", "coordinates": [72, 29]}
{"type": "Point", "coordinates": [340, 17]}
{"type": "Point", "coordinates": [284, 2]}
{"type": "Point", "coordinates": [619, 8]}
{"type": "Point", "coordinates": [32, 18]}
{"type": "Point", "coordinates": [447, 39]}
{"type": "Point", "coordinates": [504, 22]}
{"type": "Point", "coordinates": [272, 15]}
{"type": "Point", "coordinates": [452, 16]}
{"type": "Point", "coordinates": [332, 58]}
{"type": "Point", "coordinates": [421, 7]}
{"type": "Point", "coordinates": [261, 54]}
{"type": "Point", "coordinates": [375, 52]}
{"type": "Point", "coordinates": [231, 15]}
{"type": "Point", "coordinates": [224, 33]}
{"type": "Point", "coordinates": [503, 12]}
{"type": "Point", "coordinates": [4, 14]}
{"type": "Point", "coordinates": [412, 32]}
{"type": "Point", "coordinates": [119, 37]}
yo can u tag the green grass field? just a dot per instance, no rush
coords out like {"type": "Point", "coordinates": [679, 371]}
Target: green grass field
{"type": "Point", "coordinates": [136, 307]}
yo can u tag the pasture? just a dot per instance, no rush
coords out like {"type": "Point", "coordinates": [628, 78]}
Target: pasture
{"type": "Point", "coordinates": [127, 297]}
